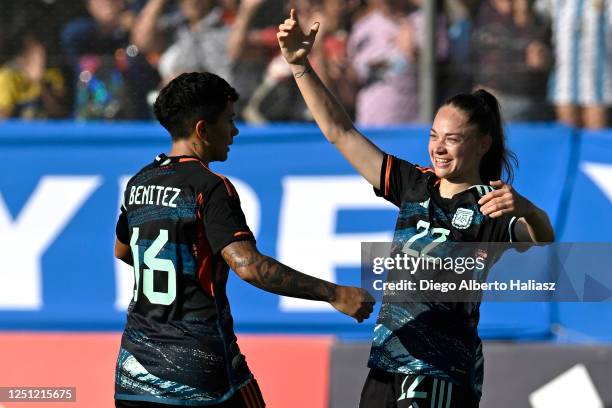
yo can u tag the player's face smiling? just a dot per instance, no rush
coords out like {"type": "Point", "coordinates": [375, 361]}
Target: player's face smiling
{"type": "Point", "coordinates": [455, 149]}
{"type": "Point", "coordinates": [221, 134]}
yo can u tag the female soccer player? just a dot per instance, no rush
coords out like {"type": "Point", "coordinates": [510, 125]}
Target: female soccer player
{"type": "Point", "coordinates": [428, 354]}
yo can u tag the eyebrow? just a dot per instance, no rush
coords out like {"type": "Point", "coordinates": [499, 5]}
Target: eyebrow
{"type": "Point", "coordinates": [447, 134]}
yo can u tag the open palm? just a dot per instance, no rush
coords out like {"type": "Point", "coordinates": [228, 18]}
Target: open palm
{"type": "Point", "coordinates": [294, 44]}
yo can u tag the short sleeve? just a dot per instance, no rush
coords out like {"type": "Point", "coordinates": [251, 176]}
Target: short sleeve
{"type": "Point", "coordinates": [224, 221]}
{"type": "Point", "coordinates": [7, 90]}
{"type": "Point", "coordinates": [503, 229]}
{"type": "Point", "coordinates": [397, 177]}
{"type": "Point", "coordinates": [122, 229]}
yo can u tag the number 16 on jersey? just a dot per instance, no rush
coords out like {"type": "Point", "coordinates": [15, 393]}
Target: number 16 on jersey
{"type": "Point", "coordinates": [152, 263]}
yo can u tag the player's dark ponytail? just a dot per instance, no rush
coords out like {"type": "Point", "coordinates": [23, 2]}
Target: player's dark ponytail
{"type": "Point", "coordinates": [482, 110]}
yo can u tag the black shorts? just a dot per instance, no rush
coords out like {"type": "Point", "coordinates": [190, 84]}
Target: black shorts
{"type": "Point", "coordinates": [387, 390]}
{"type": "Point", "coordinates": [248, 396]}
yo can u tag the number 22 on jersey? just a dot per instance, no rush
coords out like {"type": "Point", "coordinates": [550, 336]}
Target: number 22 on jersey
{"type": "Point", "coordinates": [439, 235]}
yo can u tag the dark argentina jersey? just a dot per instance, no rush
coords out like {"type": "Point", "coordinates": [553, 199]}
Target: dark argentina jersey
{"type": "Point", "coordinates": [435, 339]}
{"type": "Point", "coordinates": [179, 346]}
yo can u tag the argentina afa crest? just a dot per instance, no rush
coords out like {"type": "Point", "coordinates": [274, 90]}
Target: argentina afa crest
{"type": "Point", "coordinates": [462, 218]}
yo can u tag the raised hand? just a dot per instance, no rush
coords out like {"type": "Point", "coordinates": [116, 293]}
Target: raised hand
{"type": "Point", "coordinates": [294, 44]}
{"type": "Point", "coordinates": [504, 200]}
{"type": "Point", "coordinates": [354, 302]}
{"type": "Point", "coordinates": [251, 4]}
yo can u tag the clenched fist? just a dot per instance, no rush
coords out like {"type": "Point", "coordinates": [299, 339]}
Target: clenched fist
{"type": "Point", "coordinates": [354, 302]}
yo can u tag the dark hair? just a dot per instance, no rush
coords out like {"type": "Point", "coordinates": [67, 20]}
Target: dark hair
{"type": "Point", "coordinates": [189, 98]}
{"type": "Point", "coordinates": [483, 111]}
{"type": "Point", "coordinates": [25, 25]}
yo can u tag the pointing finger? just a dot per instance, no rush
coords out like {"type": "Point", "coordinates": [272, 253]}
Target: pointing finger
{"type": "Point", "coordinates": [293, 15]}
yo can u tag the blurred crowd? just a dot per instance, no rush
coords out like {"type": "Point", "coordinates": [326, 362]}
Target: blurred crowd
{"type": "Point", "coordinates": [106, 59]}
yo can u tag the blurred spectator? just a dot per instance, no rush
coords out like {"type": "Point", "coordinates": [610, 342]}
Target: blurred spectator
{"type": "Point", "coordinates": [383, 48]}
{"type": "Point", "coordinates": [29, 88]}
{"type": "Point", "coordinates": [330, 55]}
{"type": "Point", "coordinates": [253, 44]}
{"type": "Point", "coordinates": [581, 84]}
{"type": "Point", "coordinates": [277, 97]}
{"type": "Point", "coordinates": [229, 39]}
{"type": "Point", "coordinates": [455, 75]}
{"type": "Point", "coordinates": [112, 77]}
{"type": "Point", "coordinates": [192, 38]}
{"type": "Point", "coordinates": [511, 57]}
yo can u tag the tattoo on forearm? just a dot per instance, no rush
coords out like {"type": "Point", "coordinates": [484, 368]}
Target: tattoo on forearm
{"type": "Point", "coordinates": [307, 69]}
{"type": "Point", "coordinates": [273, 276]}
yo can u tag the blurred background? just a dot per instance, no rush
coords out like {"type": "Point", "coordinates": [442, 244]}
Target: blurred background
{"type": "Point", "coordinates": [77, 82]}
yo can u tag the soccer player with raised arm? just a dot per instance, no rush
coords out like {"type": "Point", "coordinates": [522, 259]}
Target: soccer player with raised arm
{"type": "Point", "coordinates": [182, 228]}
{"type": "Point", "coordinates": [427, 354]}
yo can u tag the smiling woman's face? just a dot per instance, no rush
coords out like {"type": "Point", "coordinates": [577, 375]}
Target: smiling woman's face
{"type": "Point", "coordinates": [455, 148]}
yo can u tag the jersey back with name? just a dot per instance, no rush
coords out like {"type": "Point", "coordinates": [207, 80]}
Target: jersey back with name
{"type": "Point", "coordinates": [178, 345]}
{"type": "Point", "coordinates": [437, 339]}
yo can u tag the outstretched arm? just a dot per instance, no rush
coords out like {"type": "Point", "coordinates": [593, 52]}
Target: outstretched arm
{"type": "Point", "coordinates": [272, 276]}
{"type": "Point", "coordinates": [533, 224]}
{"type": "Point", "coordinates": [238, 40]}
{"type": "Point", "coordinates": [145, 34]}
{"type": "Point", "coordinates": [331, 118]}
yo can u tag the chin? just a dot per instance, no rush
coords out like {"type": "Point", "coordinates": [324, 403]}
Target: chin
{"type": "Point", "coordinates": [445, 174]}
{"type": "Point", "coordinates": [441, 173]}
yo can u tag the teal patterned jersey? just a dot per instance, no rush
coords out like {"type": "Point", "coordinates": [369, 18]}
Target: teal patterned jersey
{"type": "Point", "coordinates": [179, 346]}
{"type": "Point", "coordinates": [432, 338]}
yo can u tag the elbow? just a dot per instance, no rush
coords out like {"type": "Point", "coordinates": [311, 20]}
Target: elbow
{"type": "Point", "coordinates": [551, 235]}
{"type": "Point", "coordinates": [246, 274]}
{"type": "Point", "coordinates": [123, 253]}
{"type": "Point", "coordinates": [550, 231]}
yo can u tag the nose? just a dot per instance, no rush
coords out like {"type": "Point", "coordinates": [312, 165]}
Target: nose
{"type": "Point", "coordinates": [438, 147]}
{"type": "Point", "coordinates": [235, 131]}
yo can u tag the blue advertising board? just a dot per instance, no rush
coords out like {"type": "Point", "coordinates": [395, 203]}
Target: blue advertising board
{"type": "Point", "coordinates": [62, 182]}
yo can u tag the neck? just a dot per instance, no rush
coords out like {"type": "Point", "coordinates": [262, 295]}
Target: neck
{"type": "Point", "coordinates": [194, 22]}
{"type": "Point", "coordinates": [189, 147]}
{"type": "Point", "coordinates": [449, 188]}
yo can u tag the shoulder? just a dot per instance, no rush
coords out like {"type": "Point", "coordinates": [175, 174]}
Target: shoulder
{"type": "Point", "coordinates": [482, 189]}
{"type": "Point", "coordinates": [138, 175]}
{"type": "Point", "coordinates": [78, 27]}
{"type": "Point", "coordinates": [209, 180]}
{"type": "Point", "coordinates": [364, 18]}
{"type": "Point", "coordinates": [409, 181]}
{"type": "Point", "coordinates": [54, 77]}
{"type": "Point", "coordinates": [9, 75]}
{"type": "Point", "coordinates": [406, 168]}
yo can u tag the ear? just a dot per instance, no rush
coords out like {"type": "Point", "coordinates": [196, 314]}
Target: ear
{"type": "Point", "coordinates": [200, 130]}
{"type": "Point", "coordinates": [485, 144]}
